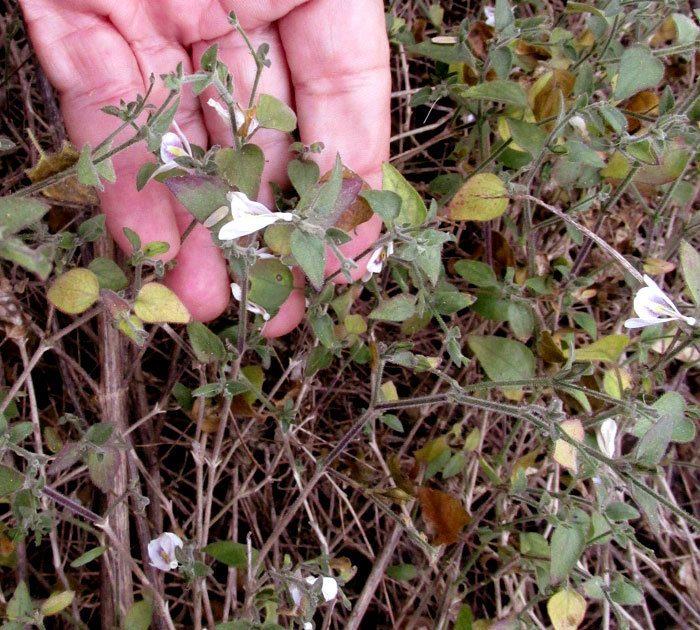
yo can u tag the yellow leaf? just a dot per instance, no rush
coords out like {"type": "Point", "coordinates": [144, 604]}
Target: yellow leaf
{"type": "Point", "coordinates": [616, 381]}
{"type": "Point", "coordinates": [155, 303]}
{"type": "Point", "coordinates": [565, 453]}
{"type": "Point", "coordinates": [566, 609]}
{"type": "Point", "coordinates": [481, 198]}
{"type": "Point", "coordinates": [389, 392]}
{"type": "Point", "coordinates": [606, 349]}
{"type": "Point", "coordinates": [74, 291]}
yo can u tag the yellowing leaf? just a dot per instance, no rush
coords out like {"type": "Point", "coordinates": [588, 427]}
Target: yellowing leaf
{"type": "Point", "coordinates": [74, 291]}
{"type": "Point", "coordinates": [57, 602]}
{"type": "Point", "coordinates": [524, 463]}
{"type": "Point", "coordinates": [389, 392]}
{"type": "Point", "coordinates": [606, 349]}
{"type": "Point", "coordinates": [566, 609]}
{"type": "Point", "coordinates": [616, 381]}
{"type": "Point", "coordinates": [565, 453]}
{"type": "Point", "coordinates": [443, 513]}
{"type": "Point", "coordinates": [481, 198]}
{"type": "Point", "coordinates": [155, 303]}
{"type": "Point", "coordinates": [432, 450]}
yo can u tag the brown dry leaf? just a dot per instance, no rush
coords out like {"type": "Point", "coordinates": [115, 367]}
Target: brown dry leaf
{"type": "Point", "coordinates": [665, 34]}
{"type": "Point", "coordinates": [547, 101]}
{"type": "Point", "coordinates": [479, 35]}
{"type": "Point", "coordinates": [69, 189]}
{"type": "Point", "coordinates": [6, 545]}
{"type": "Point", "coordinates": [529, 55]}
{"type": "Point", "coordinates": [646, 103]}
{"type": "Point", "coordinates": [548, 349]}
{"type": "Point", "coordinates": [443, 513]}
{"type": "Point", "coordinates": [353, 208]}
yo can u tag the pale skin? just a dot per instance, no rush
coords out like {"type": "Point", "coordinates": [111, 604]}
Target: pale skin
{"type": "Point", "coordinates": [330, 62]}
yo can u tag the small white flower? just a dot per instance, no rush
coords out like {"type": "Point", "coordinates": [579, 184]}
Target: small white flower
{"type": "Point", "coordinates": [172, 145]}
{"type": "Point", "coordinates": [161, 551]}
{"type": "Point", "coordinates": [329, 589]}
{"type": "Point", "coordinates": [376, 261]}
{"type": "Point", "coordinates": [253, 308]}
{"type": "Point", "coordinates": [579, 124]}
{"type": "Point", "coordinates": [605, 436]}
{"type": "Point", "coordinates": [653, 306]}
{"type": "Point", "coordinates": [238, 113]}
{"type": "Point", "coordinates": [490, 15]}
{"type": "Point", "coordinates": [247, 217]}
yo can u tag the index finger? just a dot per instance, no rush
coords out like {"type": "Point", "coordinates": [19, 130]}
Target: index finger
{"type": "Point", "coordinates": [338, 58]}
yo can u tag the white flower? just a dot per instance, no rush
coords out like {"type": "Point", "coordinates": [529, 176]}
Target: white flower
{"type": "Point", "coordinates": [579, 124]}
{"type": "Point", "coordinates": [172, 145]}
{"type": "Point", "coordinates": [490, 15]}
{"type": "Point", "coordinates": [247, 217]}
{"type": "Point", "coordinates": [253, 308]}
{"type": "Point", "coordinates": [161, 551]}
{"type": "Point", "coordinates": [239, 115]}
{"type": "Point", "coordinates": [329, 589]}
{"type": "Point", "coordinates": [605, 436]}
{"type": "Point", "coordinates": [653, 306]}
{"type": "Point", "coordinates": [376, 261]}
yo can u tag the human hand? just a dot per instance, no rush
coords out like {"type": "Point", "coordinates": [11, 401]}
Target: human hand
{"type": "Point", "coordinates": [329, 62]}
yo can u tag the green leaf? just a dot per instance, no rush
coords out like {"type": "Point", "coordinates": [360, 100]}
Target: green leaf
{"type": "Point", "coordinates": [521, 319]}
{"type": "Point", "coordinates": [17, 213]}
{"type": "Point", "coordinates": [464, 619]}
{"type": "Point", "coordinates": [583, 154]}
{"type": "Point", "coordinates": [133, 238]}
{"type": "Point", "coordinates": [323, 328]}
{"type": "Point", "coordinates": [625, 593]}
{"type": "Point", "coordinates": [528, 135]}
{"type": "Point", "coordinates": [477, 273]}
{"type": "Point", "coordinates": [567, 545]}
{"type": "Point", "coordinates": [20, 431]}
{"type": "Point", "coordinates": [243, 168]}
{"type": "Point", "coordinates": [303, 174]}
{"type": "Point", "coordinates": [202, 195]}
{"type": "Point", "coordinates": [319, 359]}
{"type": "Point", "coordinates": [481, 198]}
{"type": "Point", "coordinates": [274, 114]}
{"type": "Point", "coordinates": [87, 173]}
{"type": "Point", "coordinates": [109, 274]}
{"type": "Point", "coordinates": [271, 283]}
{"type": "Point", "coordinates": [37, 261]}
{"type": "Point", "coordinates": [310, 252]}
{"type": "Point", "coordinates": [503, 359]}
{"type": "Point", "coordinates": [74, 291]}
{"type": "Point", "coordinates": [454, 465]}
{"type": "Point", "coordinates": [402, 572]}
{"type": "Point", "coordinates": [393, 422]}
{"type": "Point", "coordinates": [690, 265]}
{"type": "Point", "coordinates": [671, 405]}
{"type": "Point", "coordinates": [102, 468]}
{"type": "Point", "coordinates": [503, 16]}
{"type": "Point", "coordinates": [232, 554]}
{"type": "Point", "coordinates": [396, 309]}
{"type": "Point", "coordinates": [499, 91]}
{"type": "Point", "coordinates": [639, 70]}
{"type": "Point", "coordinates": [608, 348]}
{"type": "Point", "coordinates": [208, 391]}
{"type": "Point", "coordinates": [88, 556]}
{"type": "Point", "coordinates": [154, 248]}
{"type": "Point", "coordinates": [155, 303]}
{"type": "Point", "coordinates": [10, 480]}
{"type": "Point", "coordinates": [206, 345]}
{"type": "Point", "coordinates": [57, 602]}
{"type": "Point", "coordinates": [413, 211]}
{"type": "Point", "coordinates": [207, 61]}
{"type": "Point", "coordinates": [93, 228]}
{"type": "Point", "coordinates": [385, 203]}
{"type": "Point", "coordinates": [20, 606]}
{"type": "Point", "coordinates": [139, 616]}
{"type": "Point", "coordinates": [618, 511]}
